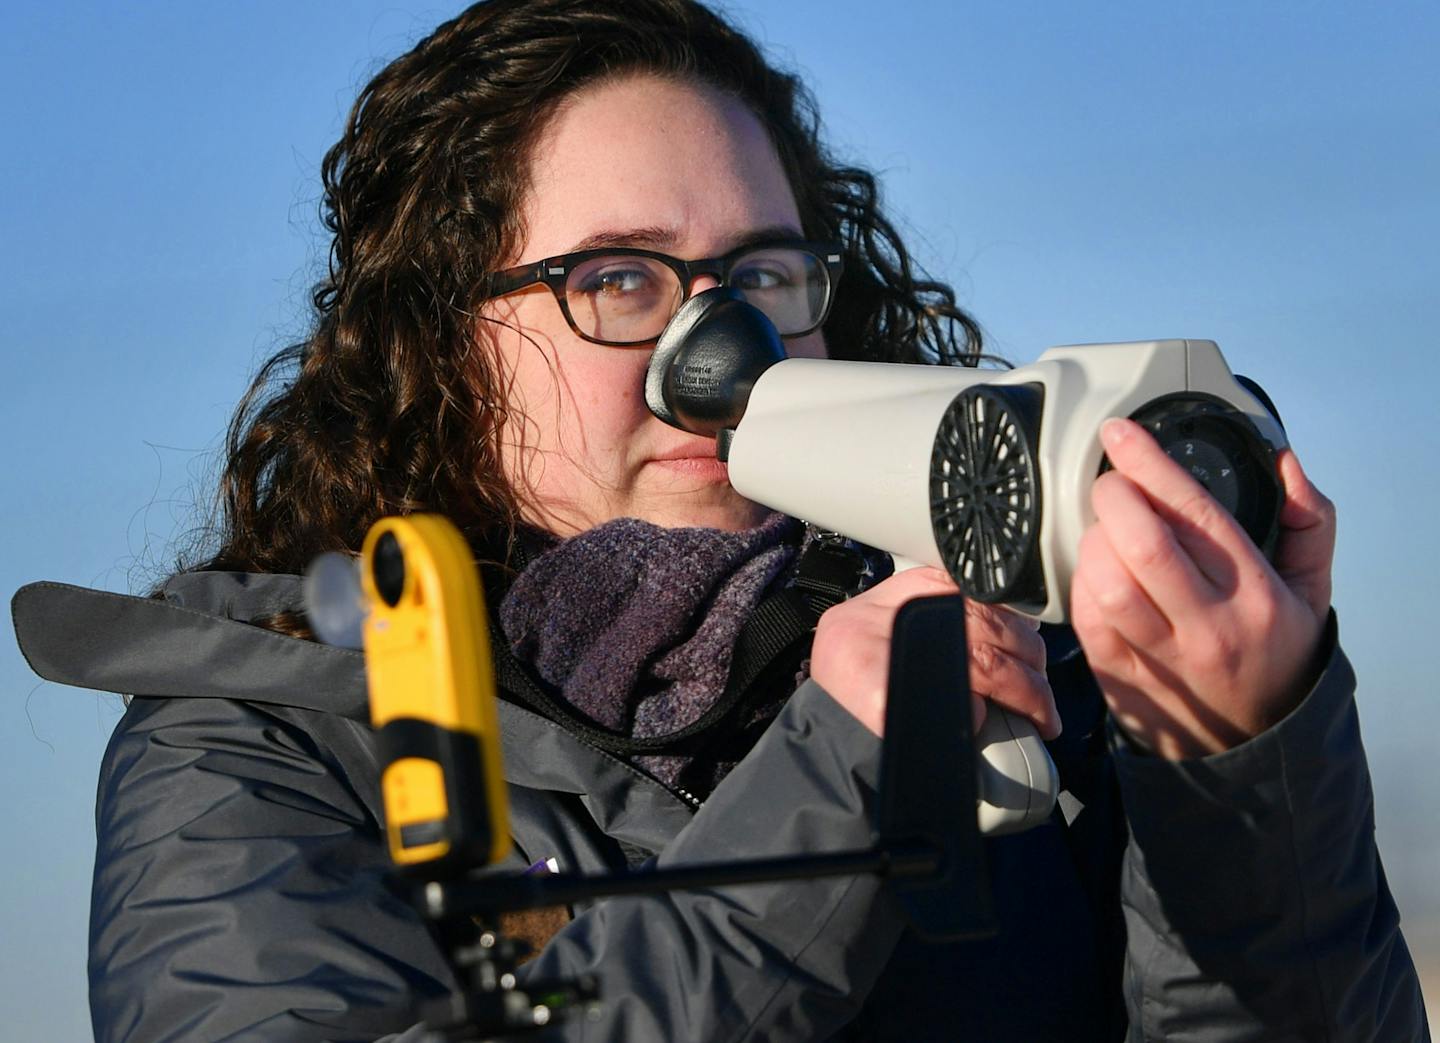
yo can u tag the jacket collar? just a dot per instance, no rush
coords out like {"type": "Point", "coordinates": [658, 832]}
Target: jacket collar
{"type": "Point", "coordinates": [198, 639]}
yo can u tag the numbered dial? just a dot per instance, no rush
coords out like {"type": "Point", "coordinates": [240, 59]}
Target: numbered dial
{"type": "Point", "coordinates": [1224, 451]}
{"type": "Point", "coordinates": [1208, 465]}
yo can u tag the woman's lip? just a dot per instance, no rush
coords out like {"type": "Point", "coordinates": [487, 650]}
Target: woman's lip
{"type": "Point", "coordinates": [696, 466]}
{"type": "Point", "coordinates": [700, 451]}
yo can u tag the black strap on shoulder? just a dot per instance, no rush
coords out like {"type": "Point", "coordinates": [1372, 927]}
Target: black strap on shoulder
{"type": "Point", "coordinates": [826, 574]}
{"type": "Point", "coordinates": [830, 570]}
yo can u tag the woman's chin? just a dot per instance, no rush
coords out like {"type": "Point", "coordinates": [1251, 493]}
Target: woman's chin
{"type": "Point", "coordinates": [707, 506]}
{"type": "Point", "coordinates": [731, 514]}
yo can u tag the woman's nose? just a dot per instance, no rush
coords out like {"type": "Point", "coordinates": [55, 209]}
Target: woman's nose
{"type": "Point", "coordinates": [701, 283]}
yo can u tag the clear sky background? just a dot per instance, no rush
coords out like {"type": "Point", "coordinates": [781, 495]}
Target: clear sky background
{"type": "Point", "coordinates": [1264, 175]}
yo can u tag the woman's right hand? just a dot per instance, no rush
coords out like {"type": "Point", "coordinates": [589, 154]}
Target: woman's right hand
{"type": "Point", "coordinates": [851, 655]}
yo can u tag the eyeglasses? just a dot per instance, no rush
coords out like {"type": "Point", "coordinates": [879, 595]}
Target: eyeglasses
{"type": "Point", "coordinates": [621, 296]}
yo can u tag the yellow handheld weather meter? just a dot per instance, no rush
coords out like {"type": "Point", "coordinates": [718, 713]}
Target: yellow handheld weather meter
{"type": "Point", "coordinates": [432, 696]}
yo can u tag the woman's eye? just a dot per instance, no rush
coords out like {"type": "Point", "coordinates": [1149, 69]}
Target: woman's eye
{"type": "Point", "coordinates": [756, 278]}
{"type": "Point", "coordinates": [616, 282]}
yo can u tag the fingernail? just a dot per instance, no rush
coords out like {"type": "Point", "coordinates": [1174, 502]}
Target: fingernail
{"type": "Point", "coordinates": [1114, 431]}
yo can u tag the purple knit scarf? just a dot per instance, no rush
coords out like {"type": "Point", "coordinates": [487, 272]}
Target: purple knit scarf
{"type": "Point", "coordinates": [635, 624]}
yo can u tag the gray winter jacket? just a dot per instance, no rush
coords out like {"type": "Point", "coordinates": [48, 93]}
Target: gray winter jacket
{"type": "Point", "coordinates": [241, 887]}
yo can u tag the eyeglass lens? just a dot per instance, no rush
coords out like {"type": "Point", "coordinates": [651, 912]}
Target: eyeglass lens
{"type": "Point", "coordinates": [629, 299]}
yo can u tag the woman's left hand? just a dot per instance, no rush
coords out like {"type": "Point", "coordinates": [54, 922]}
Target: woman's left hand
{"type": "Point", "coordinates": [1196, 641]}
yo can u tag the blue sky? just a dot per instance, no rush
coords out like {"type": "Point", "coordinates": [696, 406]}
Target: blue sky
{"type": "Point", "coordinates": [1263, 175]}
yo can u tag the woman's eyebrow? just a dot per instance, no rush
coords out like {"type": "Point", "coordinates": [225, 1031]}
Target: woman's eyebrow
{"type": "Point", "coordinates": [660, 238]}
{"type": "Point", "coordinates": [652, 237]}
{"type": "Point", "coordinates": [766, 235]}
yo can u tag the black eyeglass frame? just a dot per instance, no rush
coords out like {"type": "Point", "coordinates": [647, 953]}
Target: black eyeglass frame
{"type": "Point", "coordinates": [553, 271]}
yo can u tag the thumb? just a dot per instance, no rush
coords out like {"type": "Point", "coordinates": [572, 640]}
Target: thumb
{"type": "Point", "coordinates": [1307, 537]}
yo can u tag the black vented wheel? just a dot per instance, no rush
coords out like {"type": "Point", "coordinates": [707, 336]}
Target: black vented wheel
{"type": "Point", "coordinates": [985, 493]}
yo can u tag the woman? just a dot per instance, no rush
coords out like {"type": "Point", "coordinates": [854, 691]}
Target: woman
{"type": "Point", "coordinates": [241, 887]}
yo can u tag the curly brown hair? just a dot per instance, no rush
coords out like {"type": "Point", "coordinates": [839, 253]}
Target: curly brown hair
{"type": "Point", "coordinates": [393, 404]}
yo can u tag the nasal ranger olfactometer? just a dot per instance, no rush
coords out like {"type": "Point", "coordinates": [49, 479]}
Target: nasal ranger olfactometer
{"type": "Point", "coordinates": [984, 473]}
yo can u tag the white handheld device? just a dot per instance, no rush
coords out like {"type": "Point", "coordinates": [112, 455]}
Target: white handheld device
{"type": "Point", "coordinates": [984, 473]}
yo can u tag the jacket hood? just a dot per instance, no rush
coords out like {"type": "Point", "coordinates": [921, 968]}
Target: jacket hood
{"type": "Point", "coordinates": [197, 639]}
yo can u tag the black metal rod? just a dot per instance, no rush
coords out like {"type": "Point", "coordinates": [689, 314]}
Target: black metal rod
{"type": "Point", "coordinates": [493, 894]}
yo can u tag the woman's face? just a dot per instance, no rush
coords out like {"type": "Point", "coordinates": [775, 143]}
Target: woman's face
{"type": "Point", "coordinates": [669, 166]}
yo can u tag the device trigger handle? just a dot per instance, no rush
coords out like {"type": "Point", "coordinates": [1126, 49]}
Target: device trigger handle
{"type": "Point", "coordinates": [1017, 783]}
